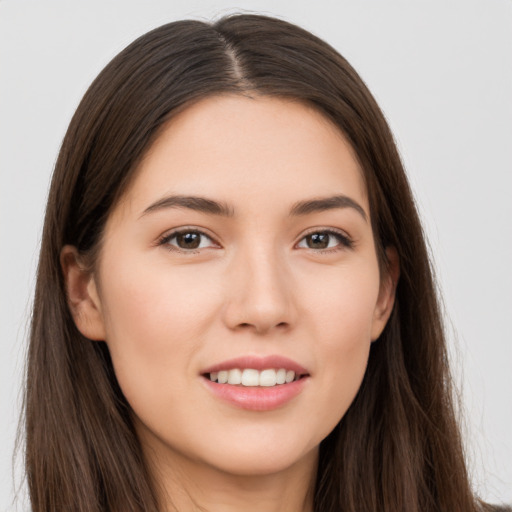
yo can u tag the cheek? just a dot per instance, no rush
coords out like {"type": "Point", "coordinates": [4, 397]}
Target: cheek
{"type": "Point", "coordinates": [144, 299]}
{"type": "Point", "coordinates": [341, 317]}
{"type": "Point", "coordinates": [155, 321]}
{"type": "Point", "coordinates": [342, 305]}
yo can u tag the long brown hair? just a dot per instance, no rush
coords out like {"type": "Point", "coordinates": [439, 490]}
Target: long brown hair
{"type": "Point", "coordinates": [398, 447]}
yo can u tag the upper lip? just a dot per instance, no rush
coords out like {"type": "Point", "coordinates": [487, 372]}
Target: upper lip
{"type": "Point", "coordinates": [258, 363]}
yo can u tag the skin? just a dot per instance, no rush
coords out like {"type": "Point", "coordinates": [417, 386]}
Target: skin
{"type": "Point", "coordinates": [256, 286]}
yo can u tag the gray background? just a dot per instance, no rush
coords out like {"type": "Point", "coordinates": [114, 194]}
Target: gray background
{"type": "Point", "coordinates": [442, 72]}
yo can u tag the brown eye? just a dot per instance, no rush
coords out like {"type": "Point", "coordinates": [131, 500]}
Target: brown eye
{"type": "Point", "coordinates": [318, 240]}
{"type": "Point", "coordinates": [187, 240]}
{"type": "Point", "coordinates": [325, 240]}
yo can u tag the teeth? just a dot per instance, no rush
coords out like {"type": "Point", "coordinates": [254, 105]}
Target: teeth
{"type": "Point", "coordinates": [235, 376]}
{"type": "Point", "coordinates": [268, 378]}
{"type": "Point", "coordinates": [252, 378]}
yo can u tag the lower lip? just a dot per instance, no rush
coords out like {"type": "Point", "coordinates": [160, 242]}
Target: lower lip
{"type": "Point", "coordinates": [257, 398]}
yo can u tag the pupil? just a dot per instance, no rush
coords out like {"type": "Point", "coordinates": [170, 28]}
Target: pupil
{"type": "Point", "coordinates": [189, 240]}
{"type": "Point", "coordinates": [318, 241]}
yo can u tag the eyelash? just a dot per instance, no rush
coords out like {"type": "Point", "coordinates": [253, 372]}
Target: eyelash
{"type": "Point", "coordinates": [165, 239]}
{"type": "Point", "coordinates": [344, 241]}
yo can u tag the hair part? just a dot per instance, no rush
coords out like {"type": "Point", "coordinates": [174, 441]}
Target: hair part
{"type": "Point", "coordinates": [398, 447]}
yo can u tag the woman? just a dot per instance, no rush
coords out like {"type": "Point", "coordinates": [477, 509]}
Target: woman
{"type": "Point", "coordinates": [235, 308]}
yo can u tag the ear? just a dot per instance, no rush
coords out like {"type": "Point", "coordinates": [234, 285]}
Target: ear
{"type": "Point", "coordinates": [82, 294]}
{"type": "Point", "coordinates": [386, 299]}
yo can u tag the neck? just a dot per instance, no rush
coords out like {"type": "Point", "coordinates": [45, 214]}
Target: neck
{"type": "Point", "coordinates": [188, 486]}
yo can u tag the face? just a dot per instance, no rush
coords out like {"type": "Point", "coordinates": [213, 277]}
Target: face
{"type": "Point", "coordinates": [243, 250]}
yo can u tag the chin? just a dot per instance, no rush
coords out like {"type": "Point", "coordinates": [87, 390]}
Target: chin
{"type": "Point", "coordinates": [269, 462]}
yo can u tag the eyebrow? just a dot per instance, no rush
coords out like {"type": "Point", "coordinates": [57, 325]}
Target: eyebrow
{"type": "Point", "coordinates": [327, 203]}
{"type": "Point", "coordinates": [199, 204]}
{"type": "Point", "coordinates": [212, 207]}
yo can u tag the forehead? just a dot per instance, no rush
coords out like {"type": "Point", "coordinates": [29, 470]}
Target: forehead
{"type": "Point", "coordinates": [246, 151]}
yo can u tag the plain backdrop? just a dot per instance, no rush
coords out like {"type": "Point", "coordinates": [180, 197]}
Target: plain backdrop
{"type": "Point", "coordinates": [442, 72]}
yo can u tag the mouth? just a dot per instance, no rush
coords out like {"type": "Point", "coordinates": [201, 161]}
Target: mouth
{"type": "Point", "coordinates": [250, 377]}
{"type": "Point", "coordinates": [256, 383]}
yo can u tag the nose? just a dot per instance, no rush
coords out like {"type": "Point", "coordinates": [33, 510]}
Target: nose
{"type": "Point", "coordinates": [260, 293]}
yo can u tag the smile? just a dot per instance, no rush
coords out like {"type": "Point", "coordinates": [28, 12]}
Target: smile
{"type": "Point", "coordinates": [250, 377]}
{"type": "Point", "coordinates": [256, 383]}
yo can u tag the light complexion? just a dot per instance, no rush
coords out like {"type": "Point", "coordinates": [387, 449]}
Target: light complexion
{"type": "Point", "coordinates": [242, 249]}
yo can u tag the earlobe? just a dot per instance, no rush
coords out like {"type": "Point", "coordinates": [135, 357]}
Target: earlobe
{"type": "Point", "coordinates": [82, 295]}
{"type": "Point", "coordinates": [387, 293]}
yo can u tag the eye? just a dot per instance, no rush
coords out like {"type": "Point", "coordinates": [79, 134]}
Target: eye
{"type": "Point", "coordinates": [325, 240]}
{"type": "Point", "coordinates": [187, 240]}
